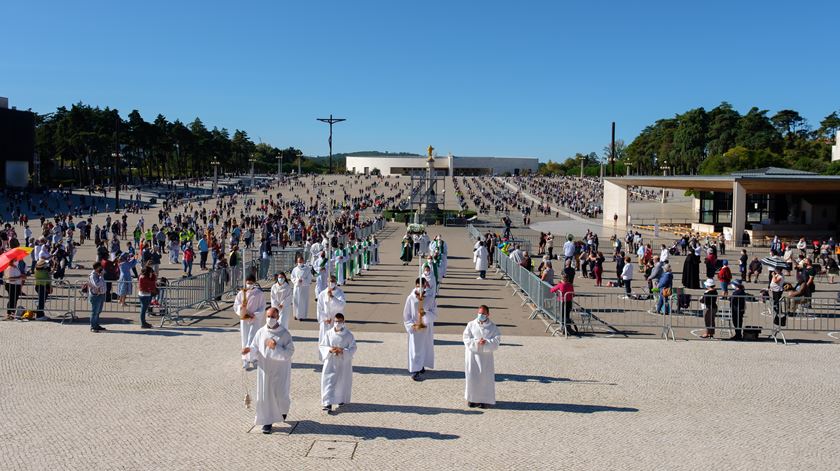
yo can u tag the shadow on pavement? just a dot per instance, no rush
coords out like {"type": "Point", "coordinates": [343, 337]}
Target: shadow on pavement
{"type": "Point", "coordinates": [315, 339]}
{"type": "Point", "coordinates": [366, 433]}
{"type": "Point", "coordinates": [152, 332]}
{"type": "Point", "coordinates": [561, 407]}
{"type": "Point", "coordinates": [461, 344]}
{"type": "Point", "coordinates": [419, 410]}
{"type": "Point", "coordinates": [448, 374]}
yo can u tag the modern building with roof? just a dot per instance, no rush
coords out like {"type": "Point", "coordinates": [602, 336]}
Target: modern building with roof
{"type": "Point", "coordinates": [761, 202]}
{"type": "Point", "coordinates": [444, 165]}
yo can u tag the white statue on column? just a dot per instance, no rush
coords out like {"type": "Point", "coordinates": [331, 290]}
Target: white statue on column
{"type": "Point", "coordinates": [835, 149]}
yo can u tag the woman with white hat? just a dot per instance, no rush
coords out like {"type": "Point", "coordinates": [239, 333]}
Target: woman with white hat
{"type": "Point", "coordinates": [708, 302]}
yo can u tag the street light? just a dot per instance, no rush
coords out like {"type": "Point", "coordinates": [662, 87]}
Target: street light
{"type": "Point", "coordinates": [116, 156]}
{"type": "Point", "coordinates": [628, 164]}
{"type": "Point", "coordinates": [664, 167]}
{"type": "Point", "coordinates": [252, 160]}
{"type": "Point", "coordinates": [215, 163]}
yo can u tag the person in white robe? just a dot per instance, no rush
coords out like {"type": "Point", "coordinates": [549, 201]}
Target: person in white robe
{"type": "Point", "coordinates": [481, 339]}
{"type": "Point", "coordinates": [281, 298]}
{"type": "Point", "coordinates": [338, 263]}
{"type": "Point", "coordinates": [481, 260]}
{"type": "Point", "coordinates": [430, 279]}
{"type": "Point", "coordinates": [421, 337]}
{"type": "Point", "coordinates": [273, 347]}
{"type": "Point", "coordinates": [323, 275]}
{"type": "Point", "coordinates": [424, 244]}
{"type": "Point", "coordinates": [301, 283]}
{"type": "Point", "coordinates": [314, 252]}
{"type": "Point", "coordinates": [331, 301]}
{"type": "Point", "coordinates": [337, 349]}
{"type": "Point", "coordinates": [249, 305]}
{"type": "Point", "coordinates": [441, 248]}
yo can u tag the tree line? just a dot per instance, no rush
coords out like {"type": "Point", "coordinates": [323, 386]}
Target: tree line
{"type": "Point", "coordinates": [719, 141]}
{"type": "Point", "coordinates": [89, 145]}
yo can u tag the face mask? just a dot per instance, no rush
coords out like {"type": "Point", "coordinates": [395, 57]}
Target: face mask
{"type": "Point", "coordinates": [281, 280]}
{"type": "Point", "coordinates": [300, 265]}
{"type": "Point", "coordinates": [271, 322]}
{"type": "Point", "coordinates": [332, 285]}
{"type": "Point", "coordinates": [481, 318]}
{"type": "Point", "coordinates": [249, 285]}
{"type": "Point", "coordinates": [426, 272]}
{"type": "Point", "coordinates": [339, 326]}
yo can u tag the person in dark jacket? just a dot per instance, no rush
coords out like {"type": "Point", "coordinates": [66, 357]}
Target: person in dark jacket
{"type": "Point", "coordinates": [709, 300]}
{"type": "Point", "coordinates": [738, 303]}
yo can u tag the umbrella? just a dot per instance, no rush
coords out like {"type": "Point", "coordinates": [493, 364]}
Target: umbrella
{"type": "Point", "coordinates": [775, 263]}
{"type": "Point", "coordinates": [14, 255]}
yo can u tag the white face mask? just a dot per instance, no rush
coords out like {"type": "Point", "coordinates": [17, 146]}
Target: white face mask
{"type": "Point", "coordinates": [249, 285]}
{"type": "Point", "coordinates": [332, 285]}
{"type": "Point", "coordinates": [271, 322]}
{"type": "Point", "coordinates": [281, 280]}
{"type": "Point", "coordinates": [300, 264]}
{"type": "Point", "coordinates": [339, 326]}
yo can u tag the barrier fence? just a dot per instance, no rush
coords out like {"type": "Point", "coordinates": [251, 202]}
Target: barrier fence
{"type": "Point", "coordinates": [645, 314]}
{"type": "Point", "coordinates": [66, 298]}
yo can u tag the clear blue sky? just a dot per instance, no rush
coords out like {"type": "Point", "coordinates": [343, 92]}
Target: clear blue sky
{"type": "Point", "coordinates": [501, 78]}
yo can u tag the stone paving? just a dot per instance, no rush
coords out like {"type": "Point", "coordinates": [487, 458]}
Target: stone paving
{"type": "Point", "coordinates": [173, 399]}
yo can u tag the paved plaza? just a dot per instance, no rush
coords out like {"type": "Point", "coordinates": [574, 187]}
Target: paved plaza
{"type": "Point", "coordinates": [172, 398]}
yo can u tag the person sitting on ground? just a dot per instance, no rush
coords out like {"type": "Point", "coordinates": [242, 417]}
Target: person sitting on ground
{"type": "Point", "coordinates": [754, 270]}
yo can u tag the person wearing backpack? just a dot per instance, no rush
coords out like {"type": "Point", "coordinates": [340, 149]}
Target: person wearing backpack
{"type": "Point", "coordinates": [725, 277]}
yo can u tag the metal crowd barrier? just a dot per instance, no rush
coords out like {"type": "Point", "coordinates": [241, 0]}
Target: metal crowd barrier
{"type": "Point", "coordinates": [59, 301]}
{"type": "Point", "coordinates": [615, 313]}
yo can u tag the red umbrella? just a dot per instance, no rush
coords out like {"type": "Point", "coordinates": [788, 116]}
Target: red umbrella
{"type": "Point", "coordinates": [13, 255]}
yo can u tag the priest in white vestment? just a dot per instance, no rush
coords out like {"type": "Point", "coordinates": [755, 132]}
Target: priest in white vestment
{"type": "Point", "coordinates": [301, 282]}
{"type": "Point", "coordinates": [421, 340]}
{"type": "Point", "coordinates": [331, 301]}
{"type": "Point", "coordinates": [249, 305]}
{"type": "Point", "coordinates": [481, 339]}
{"type": "Point", "coordinates": [337, 348]}
{"type": "Point", "coordinates": [273, 347]}
{"type": "Point", "coordinates": [281, 298]}
{"type": "Point", "coordinates": [320, 265]}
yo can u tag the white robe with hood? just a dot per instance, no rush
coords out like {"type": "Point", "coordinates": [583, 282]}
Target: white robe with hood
{"type": "Point", "coordinates": [327, 309]}
{"type": "Point", "coordinates": [337, 374]}
{"type": "Point", "coordinates": [479, 368]}
{"type": "Point", "coordinates": [301, 281]}
{"type": "Point", "coordinates": [421, 343]}
{"type": "Point", "coordinates": [281, 295]}
{"type": "Point", "coordinates": [274, 374]}
{"type": "Point", "coordinates": [248, 327]}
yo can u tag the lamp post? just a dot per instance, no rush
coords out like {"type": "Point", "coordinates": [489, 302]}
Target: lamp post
{"type": "Point", "coordinates": [329, 121]}
{"type": "Point", "coordinates": [252, 160]}
{"type": "Point", "coordinates": [664, 167]}
{"type": "Point", "coordinates": [581, 166]}
{"type": "Point", "coordinates": [116, 156]}
{"type": "Point", "coordinates": [215, 163]}
{"type": "Point", "coordinates": [279, 165]}
{"type": "Point", "coordinates": [628, 164]}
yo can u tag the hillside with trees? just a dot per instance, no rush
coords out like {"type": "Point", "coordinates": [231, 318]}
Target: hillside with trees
{"type": "Point", "coordinates": [718, 141]}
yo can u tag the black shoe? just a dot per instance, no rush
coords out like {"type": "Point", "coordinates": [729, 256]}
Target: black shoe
{"type": "Point", "coordinates": [416, 377]}
{"type": "Point", "coordinates": [266, 429]}
{"type": "Point", "coordinates": [423, 371]}
{"type": "Point", "coordinates": [483, 406]}
{"type": "Point", "coordinates": [327, 409]}
{"type": "Point", "coordinates": [284, 417]}
{"type": "Point", "coordinates": [145, 325]}
{"type": "Point", "coordinates": [472, 404]}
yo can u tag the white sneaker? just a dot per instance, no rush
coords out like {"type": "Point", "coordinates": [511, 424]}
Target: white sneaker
{"type": "Point", "coordinates": [478, 278]}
